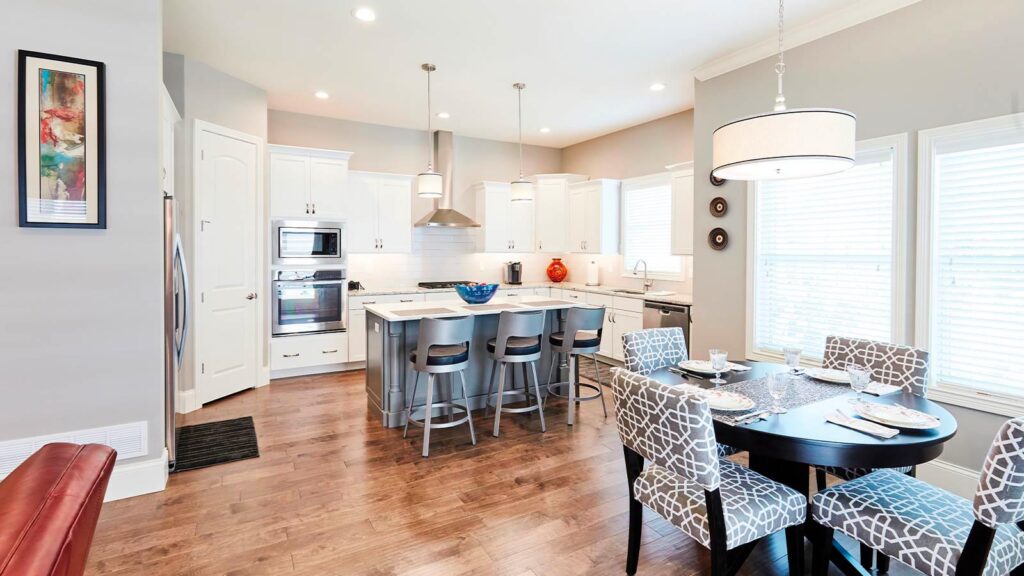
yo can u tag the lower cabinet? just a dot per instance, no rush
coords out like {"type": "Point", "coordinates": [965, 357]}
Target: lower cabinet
{"type": "Point", "coordinates": [621, 316]}
{"type": "Point", "coordinates": [287, 352]}
{"type": "Point", "coordinates": [357, 335]}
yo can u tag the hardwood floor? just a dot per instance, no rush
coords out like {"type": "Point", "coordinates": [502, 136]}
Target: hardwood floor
{"type": "Point", "coordinates": [334, 493]}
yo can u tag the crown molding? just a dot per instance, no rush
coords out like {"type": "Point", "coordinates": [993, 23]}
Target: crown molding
{"type": "Point", "coordinates": [842, 19]}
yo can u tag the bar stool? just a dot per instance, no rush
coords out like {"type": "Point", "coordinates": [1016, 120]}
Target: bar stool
{"type": "Point", "coordinates": [442, 348]}
{"type": "Point", "coordinates": [518, 342]}
{"type": "Point", "coordinates": [582, 336]}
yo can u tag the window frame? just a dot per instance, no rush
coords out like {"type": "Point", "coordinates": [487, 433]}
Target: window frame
{"type": "Point", "coordinates": [928, 140]}
{"type": "Point", "coordinates": [900, 323]}
{"type": "Point", "coordinates": [639, 182]}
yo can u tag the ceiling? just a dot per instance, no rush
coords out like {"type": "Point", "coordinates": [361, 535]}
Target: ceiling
{"type": "Point", "coordinates": [587, 64]}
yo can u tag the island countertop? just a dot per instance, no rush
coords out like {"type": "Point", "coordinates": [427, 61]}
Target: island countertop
{"type": "Point", "coordinates": [408, 311]}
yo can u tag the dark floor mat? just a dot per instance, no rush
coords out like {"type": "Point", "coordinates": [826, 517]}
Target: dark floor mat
{"type": "Point", "coordinates": [203, 445]}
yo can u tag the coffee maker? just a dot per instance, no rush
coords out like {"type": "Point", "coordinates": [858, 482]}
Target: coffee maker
{"type": "Point", "coordinates": [513, 272]}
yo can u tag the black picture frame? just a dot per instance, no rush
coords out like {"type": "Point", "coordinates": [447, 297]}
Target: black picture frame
{"type": "Point", "coordinates": [100, 143]}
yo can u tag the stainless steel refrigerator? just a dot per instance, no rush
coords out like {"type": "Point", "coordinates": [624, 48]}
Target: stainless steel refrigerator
{"type": "Point", "coordinates": [176, 320]}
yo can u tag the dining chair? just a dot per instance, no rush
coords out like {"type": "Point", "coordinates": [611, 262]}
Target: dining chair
{"type": "Point", "coordinates": [927, 528]}
{"type": "Point", "coordinates": [892, 364]}
{"type": "Point", "coordinates": [723, 506]}
{"type": "Point", "coordinates": [650, 349]}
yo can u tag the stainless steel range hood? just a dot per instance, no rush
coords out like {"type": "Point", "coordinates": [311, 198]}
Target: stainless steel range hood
{"type": "Point", "coordinates": [443, 213]}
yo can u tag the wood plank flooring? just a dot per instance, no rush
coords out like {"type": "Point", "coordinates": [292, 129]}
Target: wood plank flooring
{"type": "Point", "coordinates": [333, 493]}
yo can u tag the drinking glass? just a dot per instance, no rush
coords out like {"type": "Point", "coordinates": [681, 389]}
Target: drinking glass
{"type": "Point", "coordinates": [792, 355]}
{"type": "Point", "coordinates": [719, 360]}
{"type": "Point", "coordinates": [860, 377]}
{"type": "Point", "coordinates": [778, 385]}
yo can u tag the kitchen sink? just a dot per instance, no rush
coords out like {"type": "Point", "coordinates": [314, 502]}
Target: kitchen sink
{"type": "Point", "coordinates": [627, 291]}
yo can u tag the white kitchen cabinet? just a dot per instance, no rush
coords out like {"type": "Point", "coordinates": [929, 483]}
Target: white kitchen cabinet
{"type": "Point", "coordinates": [607, 334]}
{"type": "Point", "coordinates": [624, 322]}
{"type": "Point", "coordinates": [551, 206]}
{"type": "Point", "coordinates": [378, 210]}
{"type": "Point", "coordinates": [308, 182]}
{"type": "Point", "coordinates": [682, 209]}
{"type": "Point", "coordinates": [506, 226]}
{"type": "Point", "coordinates": [594, 217]}
{"type": "Point", "coordinates": [357, 335]}
{"type": "Point", "coordinates": [288, 352]}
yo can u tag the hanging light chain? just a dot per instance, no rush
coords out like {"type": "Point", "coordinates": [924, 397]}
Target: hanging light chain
{"type": "Point", "coordinates": [780, 67]}
{"type": "Point", "coordinates": [430, 136]}
{"type": "Point", "coordinates": [519, 88]}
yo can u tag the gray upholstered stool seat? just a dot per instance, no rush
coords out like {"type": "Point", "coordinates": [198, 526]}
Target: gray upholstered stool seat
{"type": "Point", "coordinates": [754, 506]}
{"type": "Point", "coordinates": [584, 339]}
{"type": "Point", "coordinates": [516, 346]}
{"type": "Point", "coordinates": [444, 355]}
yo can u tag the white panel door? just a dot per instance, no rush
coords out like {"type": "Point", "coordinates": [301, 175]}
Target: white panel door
{"type": "Point", "coordinates": [497, 237]}
{"type": "Point", "coordinates": [520, 226]}
{"type": "Point", "coordinates": [226, 189]}
{"type": "Point", "coordinates": [682, 213]}
{"type": "Point", "coordinates": [577, 220]}
{"type": "Point", "coordinates": [289, 185]}
{"type": "Point", "coordinates": [592, 220]}
{"type": "Point", "coordinates": [394, 206]}
{"type": "Point", "coordinates": [356, 335]}
{"type": "Point", "coordinates": [328, 178]}
{"type": "Point", "coordinates": [552, 232]}
{"type": "Point", "coordinates": [361, 213]}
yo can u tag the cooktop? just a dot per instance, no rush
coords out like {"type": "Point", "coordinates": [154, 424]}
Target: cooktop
{"type": "Point", "coordinates": [442, 284]}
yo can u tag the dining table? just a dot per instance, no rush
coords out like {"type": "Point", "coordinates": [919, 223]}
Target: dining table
{"type": "Point", "coordinates": [786, 446]}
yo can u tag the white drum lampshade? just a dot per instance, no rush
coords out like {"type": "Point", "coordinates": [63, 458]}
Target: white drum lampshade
{"type": "Point", "coordinates": [429, 185]}
{"type": "Point", "coordinates": [785, 144]}
{"type": "Point", "coordinates": [522, 191]}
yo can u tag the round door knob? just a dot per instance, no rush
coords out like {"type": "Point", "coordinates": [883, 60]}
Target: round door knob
{"type": "Point", "coordinates": [250, 296]}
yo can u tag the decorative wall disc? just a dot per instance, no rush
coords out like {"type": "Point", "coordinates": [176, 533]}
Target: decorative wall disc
{"type": "Point", "coordinates": [719, 206]}
{"type": "Point", "coordinates": [718, 239]}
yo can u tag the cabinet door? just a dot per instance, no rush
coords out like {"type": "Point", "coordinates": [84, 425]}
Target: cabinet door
{"type": "Point", "coordinates": [592, 222]}
{"type": "Point", "coordinates": [608, 334]}
{"type": "Point", "coordinates": [577, 220]}
{"type": "Point", "coordinates": [682, 214]}
{"type": "Point", "coordinates": [625, 322]}
{"type": "Point", "coordinates": [328, 179]}
{"type": "Point", "coordinates": [361, 213]}
{"type": "Point", "coordinates": [356, 335]}
{"type": "Point", "coordinates": [521, 225]}
{"type": "Point", "coordinates": [289, 185]}
{"type": "Point", "coordinates": [394, 204]}
{"type": "Point", "coordinates": [497, 237]}
{"type": "Point", "coordinates": [552, 230]}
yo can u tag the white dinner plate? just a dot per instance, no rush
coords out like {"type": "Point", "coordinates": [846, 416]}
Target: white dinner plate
{"type": "Point", "coordinates": [829, 375]}
{"type": "Point", "coordinates": [700, 367]}
{"type": "Point", "coordinates": [896, 416]}
{"type": "Point", "coordinates": [728, 401]}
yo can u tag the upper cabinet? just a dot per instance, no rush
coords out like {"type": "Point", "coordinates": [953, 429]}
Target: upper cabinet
{"type": "Point", "coordinates": [306, 182]}
{"type": "Point", "coordinates": [378, 211]}
{"type": "Point", "coordinates": [551, 206]}
{"type": "Point", "coordinates": [682, 209]}
{"type": "Point", "coordinates": [594, 217]}
{"type": "Point", "coordinates": [506, 226]}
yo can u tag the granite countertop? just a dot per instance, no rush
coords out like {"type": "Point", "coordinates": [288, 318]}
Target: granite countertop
{"type": "Point", "coordinates": [653, 296]}
{"type": "Point", "coordinates": [408, 311]}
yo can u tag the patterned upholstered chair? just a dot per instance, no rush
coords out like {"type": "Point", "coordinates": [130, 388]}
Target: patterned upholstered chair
{"type": "Point", "coordinates": [928, 528]}
{"type": "Point", "coordinates": [723, 506]}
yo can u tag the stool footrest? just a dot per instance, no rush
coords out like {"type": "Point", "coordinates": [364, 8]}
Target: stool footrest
{"type": "Point", "coordinates": [438, 422]}
{"type": "Point", "coordinates": [554, 386]}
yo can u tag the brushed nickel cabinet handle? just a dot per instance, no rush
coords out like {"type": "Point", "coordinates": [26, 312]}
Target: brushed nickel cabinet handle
{"type": "Point", "coordinates": [290, 355]}
{"type": "Point", "coordinates": [328, 351]}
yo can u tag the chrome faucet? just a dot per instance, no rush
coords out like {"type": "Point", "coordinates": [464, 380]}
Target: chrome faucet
{"type": "Point", "coordinates": [647, 283]}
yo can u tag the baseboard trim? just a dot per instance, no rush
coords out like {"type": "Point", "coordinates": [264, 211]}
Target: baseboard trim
{"type": "Point", "coordinates": [138, 478]}
{"type": "Point", "coordinates": [187, 402]}
{"type": "Point", "coordinates": [313, 370]}
{"type": "Point", "coordinates": [953, 478]}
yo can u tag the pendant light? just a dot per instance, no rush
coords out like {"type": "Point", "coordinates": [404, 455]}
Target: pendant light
{"type": "Point", "coordinates": [784, 143]}
{"type": "Point", "coordinates": [522, 189]}
{"type": "Point", "coordinates": [429, 183]}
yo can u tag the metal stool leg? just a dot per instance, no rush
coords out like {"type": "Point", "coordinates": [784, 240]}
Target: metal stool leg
{"type": "Point", "coordinates": [469, 414]}
{"type": "Point", "coordinates": [600, 387]}
{"type": "Point", "coordinates": [449, 385]}
{"type": "Point", "coordinates": [526, 384]}
{"type": "Point", "coordinates": [490, 388]}
{"type": "Point", "coordinates": [536, 388]}
{"type": "Point", "coordinates": [573, 360]}
{"type": "Point", "coordinates": [501, 395]}
{"type": "Point", "coordinates": [429, 408]}
{"type": "Point", "coordinates": [408, 411]}
{"type": "Point", "coordinates": [551, 369]}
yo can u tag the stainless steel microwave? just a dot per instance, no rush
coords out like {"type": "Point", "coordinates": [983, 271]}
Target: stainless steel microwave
{"type": "Point", "coordinates": [308, 242]}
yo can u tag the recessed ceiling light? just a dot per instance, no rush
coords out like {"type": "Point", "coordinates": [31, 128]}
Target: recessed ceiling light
{"type": "Point", "coordinates": [444, 115]}
{"type": "Point", "coordinates": [321, 95]}
{"type": "Point", "coordinates": [657, 87]}
{"type": "Point", "coordinates": [364, 14]}
{"type": "Point", "coordinates": [545, 130]}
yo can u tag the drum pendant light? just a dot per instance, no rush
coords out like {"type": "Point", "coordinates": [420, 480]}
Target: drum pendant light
{"type": "Point", "coordinates": [784, 143]}
{"type": "Point", "coordinates": [429, 184]}
{"type": "Point", "coordinates": [522, 189]}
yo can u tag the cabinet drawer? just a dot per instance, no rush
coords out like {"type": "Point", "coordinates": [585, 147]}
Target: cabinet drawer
{"type": "Point", "coordinates": [545, 292]}
{"type": "Point", "coordinates": [313, 350]}
{"type": "Point", "coordinates": [574, 295]}
{"type": "Point", "coordinates": [558, 293]}
{"type": "Point", "coordinates": [441, 297]}
{"type": "Point", "coordinates": [629, 304]}
{"type": "Point", "coordinates": [357, 302]}
{"type": "Point", "coordinates": [600, 300]}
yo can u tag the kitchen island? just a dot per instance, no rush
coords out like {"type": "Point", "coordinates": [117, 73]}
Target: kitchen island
{"type": "Point", "coordinates": [391, 332]}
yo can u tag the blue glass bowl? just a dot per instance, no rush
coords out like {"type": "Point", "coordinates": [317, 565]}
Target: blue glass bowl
{"type": "Point", "coordinates": [478, 294]}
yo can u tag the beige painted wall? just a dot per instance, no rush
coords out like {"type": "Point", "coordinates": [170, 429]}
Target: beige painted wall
{"type": "Point", "coordinates": [933, 63]}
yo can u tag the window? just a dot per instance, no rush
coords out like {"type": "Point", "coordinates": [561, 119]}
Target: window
{"type": "Point", "coordinates": [647, 226]}
{"type": "Point", "coordinates": [971, 259]}
{"type": "Point", "coordinates": [825, 255]}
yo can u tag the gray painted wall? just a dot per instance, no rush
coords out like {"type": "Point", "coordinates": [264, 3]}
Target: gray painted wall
{"type": "Point", "coordinates": [636, 151]}
{"type": "Point", "coordinates": [82, 338]}
{"type": "Point", "coordinates": [933, 63]}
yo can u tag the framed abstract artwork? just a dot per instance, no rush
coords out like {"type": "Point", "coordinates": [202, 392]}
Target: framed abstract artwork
{"type": "Point", "coordinates": [61, 142]}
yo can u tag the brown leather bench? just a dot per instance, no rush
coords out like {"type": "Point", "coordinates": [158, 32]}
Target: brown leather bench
{"type": "Point", "coordinates": [49, 507]}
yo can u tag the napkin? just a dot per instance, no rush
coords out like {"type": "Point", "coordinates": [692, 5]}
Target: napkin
{"type": "Point", "coordinates": [864, 426]}
{"type": "Point", "coordinates": [737, 367]}
{"type": "Point", "coordinates": [879, 389]}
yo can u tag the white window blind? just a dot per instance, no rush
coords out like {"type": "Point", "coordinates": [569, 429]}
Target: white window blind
{"type": "Point", "coordinates": [647, 225]}
{"type": "Point", "coordinates": [823, 255]}
{"type": "Point", "coordinates": [976, 309]}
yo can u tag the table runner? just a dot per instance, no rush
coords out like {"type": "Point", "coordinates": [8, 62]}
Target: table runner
{"type": "Point", "coordinates": [802, 391]}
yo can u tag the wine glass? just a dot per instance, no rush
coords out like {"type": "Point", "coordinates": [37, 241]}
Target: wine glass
{"type": "Point", "coordinates": [860, 377]}
{"type": "Point", "coordinates": [778, 385]}
{"type": "Point", "coordinates": [792, 355]}
{"type": "Point", "coordinates": [718, 362]}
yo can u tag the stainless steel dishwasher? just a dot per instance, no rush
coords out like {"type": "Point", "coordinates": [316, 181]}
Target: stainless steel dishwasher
{"type": "Point", "coordinates": [660, 315]}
